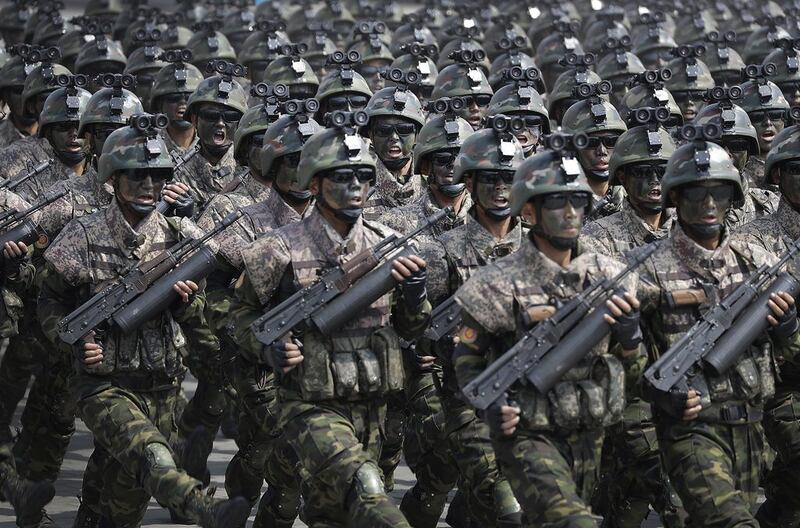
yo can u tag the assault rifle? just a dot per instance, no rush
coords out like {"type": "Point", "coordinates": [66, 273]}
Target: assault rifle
{"type": "Point", "coordinates": [146, 290]}
{"type": "Point", "coordinates": [725, 331]}
{"type": "Point", "coordinates": [163, 206]}
{"type": "Point", "coordinates": [13, 183]}
{"type": "Point", "coordinates": [554, 345]}
{"type": "Point", "coordinates": [341, 292]}
{"type": "Point", "coordinates": [16, 226]}
{"type": "Point", "coordinates": [444, 319]}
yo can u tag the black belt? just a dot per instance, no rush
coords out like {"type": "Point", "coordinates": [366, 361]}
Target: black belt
{"type": "Point", "coordinates": [740, 414]}
{"type": "Point", "coordinates": [145, 383]}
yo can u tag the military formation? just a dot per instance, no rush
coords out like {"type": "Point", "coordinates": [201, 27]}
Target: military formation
{"type": "Point", "coordinates": [546, 254]}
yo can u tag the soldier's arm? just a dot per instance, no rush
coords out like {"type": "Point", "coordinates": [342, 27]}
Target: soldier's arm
{"type": "Point", "coordinates": [470, 356]}
{"type": "Point", "coordinates": [245, 308]}
{"type": "Point", "coordinates": [57, 299]}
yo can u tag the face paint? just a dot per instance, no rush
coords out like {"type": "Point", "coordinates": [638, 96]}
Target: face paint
{"type": "Point", "coordinates": [702, 208]}
{"type": "Point", "coordinates": [99, 134]}
{"type": "Point", "coordinates": [393, 139]}
{"type": "Point", "coordinates": [767, 124]}
{"type": "Point", "coordinates": [491, 191]}
{"type": "Point", "coordinates": [559, 217]}
{"type": "Point", "coordinates": [791, 91]}
{"type": "Point", "coordinates": [139, 190]}
{"type": "Point", "coordinates": [474, 112]}
{"type": "Point", "coordinates": [174, 106]}
{"type": "Point", "coordinates": [790, 183]}
{"type": "Point", "coordinates": [215, 133]}
{"type": "Point", "coordinates": [65, 142]}
{"type": "Point", "coordinates": [594, 159]}
{"type": "Point", "coordinates": [254, 144]}
{"type": "Point", "coordinates": [643, 185]}
{"type": "Point", "coordinates": [529, 136]}
{"type": "Point", "coordinates": [285, 180]}
{"type": "Point", "coordinates": [442, 171]}
{"type": "Point", "coordinates": [144, 85]}
{"type": "Point", "coordinates": [689, 103]}
{"type": "Point", "coordinates": [345, 199]}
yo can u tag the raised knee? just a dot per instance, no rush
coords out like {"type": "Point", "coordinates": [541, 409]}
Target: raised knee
{"type": "Point", "coordinates": [158, 458]}
{"type": "Point", "coordinates": [366, 482]}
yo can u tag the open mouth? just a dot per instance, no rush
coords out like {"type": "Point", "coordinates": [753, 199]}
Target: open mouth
{"type": "Point", "coordinates": [394, 152]}
{"type": "Point", "coordinates": [688, 115]}
{"type": "Point", "coordinates": [767, 136]}
{"type": "Point", "coordinates": [145, 199]}
{"type": "Point", "coordinates": [654, 195]}
{"type": "Point", "coordinates": [73, 147]}
{"type": "Point", "coordinates": [500, 201]}
{"type": "Point", "coordinates": [219, 137]}
{"type": "Point", "coordinates": [474, 120]}
{"type": "Point", "coordinates": [523, 139]}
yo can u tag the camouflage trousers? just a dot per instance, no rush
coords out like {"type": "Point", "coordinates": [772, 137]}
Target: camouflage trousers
{"type": "Point", "coordinates": [392, 448]}
{"type": "Point", "coordinates": [263, 451]}
{"type": "Point", "coordinates": [337, 444]}
{"type": "Point", "coordinates": [632, 476]}
{"type": "Point", "coordinates": [134, 429]}
{"type": "Point", "coordinates": [782, 487]}
{"type": "Point", "coordinates": [715, 469]}
{"type": "Point", "coordinates": [23, 357]}
{"type": "Point", "coordinates": [552, 475]}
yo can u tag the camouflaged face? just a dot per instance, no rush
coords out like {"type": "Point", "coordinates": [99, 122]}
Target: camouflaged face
{"type": "Point", "coordinates": [382, 103]}
{"type": "Point", "coordinates": [283, 137]}
{"type": "Point", "coordinates": [682, 169]}
{"type": "Point", "coordinates": [433, 136]}
{"type": "Point", "coordinates": [633, 147]}
{"type": "Point", "coordinates": [254, 121]}
{"type": "Point", "coordinates": [327, 150]}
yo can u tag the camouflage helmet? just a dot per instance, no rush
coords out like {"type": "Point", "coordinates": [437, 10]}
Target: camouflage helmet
{"type": "Point", "coordinates": [592, 115]}
{"type": "Point", "coordinates": [291, 71]}
{"type": "Point", "coordinates": [761, 43]}
{"type": "Point", "coordinates": [693, 26]}
{"type": "Point", "coordinates": [332, 148]}
{"type": "Point", "coordinates": [645, 96]}
{"type": "Point", "coordinates": [14, 17]}
{"type": "Point", "coordinates": [684, 168]}
{"type": "Point", "coordinates": [458, 80]}
{"type": "Point", "coordinates": [63, 105]}
{"type": "Point", "coordinates": [566, 83]}
{"type": "Point", "coordinates": [411, 33]}
{"type": "Point", "coordinates": [238, 25]}
{"type": "Point", "coordinates": [546, 172]}
{"type": "Point", "coordinates": [786, 62]}
{"type": "Point", "coordinates": [206, 46]}
{"type": "Point", "coordinates": [724, 63]}
{"type": "Point", "coordinates": [319, 45]}
{"type": "Point", "coordinates": [613, 65]}
{"type": "Point", "coordinates": [174, 36]}
{"type": "Point", "coordinates": [255, 120]}
{"type": "Point", "coordinates": [759, 96]}
{"type": "Point", "coordinates": [14, 73]}
{"type": "Point", "coordinates": [262, 46]}
{"type": "Point", "coordinates": [144, 59]}
{"type": "Point", "coordinates": [510, 31]}
{"type": "Point", "coordinates": [398, 102]}
{"type": "Point", "coordinates": [513, 99]}
{"type": "Point", "coordinates": [285, 136]}
{"type": "Point", "coordinates": [374, 49]}
{"type": "Point", "coordinates": [422, 66]}
{"type": "Point", "coordinates": [95, 52]}
{"type": "Point", "coordinates": [685, 77]}
{"type": "Point", "coordinates": [510, 60]}
{"type": "Point", "coordinates": [659, 38]}
{"type": "Point", "coordinates": [333, 84]}
{"type": "Point", "coordinates": [175, 78]}
{"type": "Point", "coordinates": [598, 33]}
{"type": "Point", "coordinates": [37, 81]}
{"type": "Point", "coordinates": [128, 148]}
{"type": "Point", "coordinates": [638, 145]}
{"type": "Point", "coordinates": [339, 16]}
{"type": "Point", "coordinates": [441, 132]}
{"type": "Point", "coordinates": [785, 147]}
{"type": "Point", "coordinates": [70, 45]}
{"type": "Point", "coordinates": [48, 31]}
{"type": "Point", "coordinates": [553, 47]}
{"type": "Point", "coordinates": [216, 89]}
{"type": "Point", "coordinates": [110, 106]}
{"type": "Point", "coordinates": [734, 122]}
{"type": "Point", "coordinates": [458, 44]}
{"type": "Point", "coordinates": [487, 150]}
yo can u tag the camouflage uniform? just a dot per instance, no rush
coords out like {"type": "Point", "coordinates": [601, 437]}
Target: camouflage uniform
{"type": "Point", "coordinates": [30, 150]}
{"type": "Point", "coordinates": [86, 195]}
{"type": "Point", "coordinates": [336, 439]}
{"type": "Point", "coordinates": [607, 205]}
{"type": "Point", "coordinates": [617, 234]}
{"type": "Point", "coordinates": [33, 188]}
{"type": "Point", "coordinates": [173, 147]}
{"type": "Point", "coordinates": [411, 216]}
{"type": "Point", "coordinates": [754, 171]}
{"type": "Point", "coordinates": [204, 180]}
{"type": "Point", "coordinates": [388, 193]}
{"type": "Point", "coordinates": [9, 133]}
{"type": "Point", "coordinates": [757, 202]}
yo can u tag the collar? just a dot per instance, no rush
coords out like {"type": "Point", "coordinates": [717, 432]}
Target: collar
{"type": "Point", "coordinates": [788, 219]}
{"type": "Point", "coordinates": [486, 245]}
{"type": "Point", "coordinates": [332, 245]}
{"type": "Point", "coordinates": [174, 147]}
{"type": "Point", "coordinates": [640, 230]}
{"type": "Point", "coordinates": [390, 189]}
{"type": "Point", "coordinates": [708, 264]}
{"type": "Point", "coordinates": [134, 243]}
{"type": "Point", "coordinates": [283, 213]}
{"type": "Point", "coordinates": [456, 218]}
{"type": "Point", "coordinates": [257, 191]}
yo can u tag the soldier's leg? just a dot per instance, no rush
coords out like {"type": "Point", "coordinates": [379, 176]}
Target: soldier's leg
{"type": "Point", "coordinates": [16, 368]}
{"type": "Point", "coordinates": [552, 477]}
{"type": "Point", "coordinates": [392, 447]}
{"type": "Point", "coordinates": [782, 487]}
{"type": "Point", "coordinates": [714, 468]}
{"type": "Point", "coordinates": [26, 497]}
{"type": "Point", "coordinates": [281, 503]}
{"type": "Point", "coordinates": [199, 424]}
{"type": "Point", "coordinates": [89, 511]}
{"type": "Point", "coordinates": [337, 447]}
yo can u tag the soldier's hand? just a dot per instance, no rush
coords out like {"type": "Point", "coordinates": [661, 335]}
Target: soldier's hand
{"type": "Point", "coordinates": [174, 191]}
{"type": "Point", "coordinates": [624, 320]}
{"type": "Point", "coordinates": [410, 273]}
{"type": "Point", "coordinates": [693, 406]}
{"type": "Point", "coordinates": [502, 419]}
{"type": "Point", "coordinates": [424, 363]}
{"type": "Point", "coordinates": [92, 352]}
{"type": "Point", "coordinates": [784, 314]}
{"type": "Point", "coordinates": [186, 290]}
{"type": "Point", "coordinates": [180, 198]}
{"type": "Point", "coordinates": [283, 357]}
{"type": "Point", "coordinates": [15, 250]}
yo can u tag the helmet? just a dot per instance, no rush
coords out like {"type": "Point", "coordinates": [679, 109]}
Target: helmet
{"type": "Point", "coordinates": [103, 8]}
{"type": "Point", "coordinates": [333, 84]}
{"type": "Point", "coordinates": [458, 79]}
{"type": "Point", "coordinates": [599, 32]}
{"type": "Point", "coordinates": [175, 78]}
{"type": "Point", "coordinates": [13, 18]}
{"type": "Point", "coordinates": [143, 59]}
{"type": "Point", "coordinates": [175, 36]}
{"type": "Point", "coordinates": [291, 71]}
{"type": "Point", "coordinates": [339, 16]}
{"type": "Point", "coordinates": [644, 96]}
{"type": "Point", "coordinates": [785, 147]}
{"type": "Point", "coordinates": [761, 42]}
{"type": "Point", "coordinates": [735, 122]}
{"type": "Point", "coordinates": [634, 146]}
{"type": "Point", "coordinates": [686, 77]}
{"type": "Point", "coordinates": [206, 46]}
{"type": "Point", "coordinates": [613, 65]}
{"type": "Point", "coordinates": [238, 26]}
{"type": "Point", "coordinates": [725, 63]}
{"type": "Point", "coordinates": [411, 33]}
{"type": "Point", "coordinates": [682, 169]}
{"type": "Point", "coordinates": [781, 59]}
{"type": "Point", "coordinates": [566, 83]}
{"type": "Point", "coordinates": [580, 117]}
{"type": "Point", "coordinates": [422, 66]}
{"type": "Point", "coordinates": [457, 44]}
{"type": "Point", "coordinates": [285, 136]}
{"type": "Point", "coordinates": [332, 148]}
{"type": "Point", "coordinates": [372, 50]}
{"type": "Point", "coordinates": [48, 31]}
{"type": "Point", "coordinates": [36, 82]}
{"type": "Point", "coordinates": [70, 45]}
{"type": "Point", "coordinates": [438, 134]}
{"type": "Point", "coordinates": [262, 46]}
{"type": "Point", "coordinates": [14, 73]}
{"type": "Point", "coordinates": [102, 51]}
{"type": "Point", "coordinates": [128, 148]}
{"type": "Point", "coordinates": [545, 173]}
{"type": "Point", "coordinates": [63, 105]}
{"type": "Point", "coordinates": [762, 97]}
{"type": "Point", "coordinates": [514, 99]}
{"type": "Point", "coordinates": [693, 26]}
{"type": "Point", "coordinates": [657, 39]}
{"type": "Point", "coordinates": [487, 150]}
{"type": "Point", "coordinates": [254, 121]}
{"type": "Point", "coordinates": [219, 90]}
{"type": "Point", "coordinates": [509, 60]}
{"type": "Point", "coordinates": [110, 106]}
{"type": "Point", "coordinates": [553, 47]}
{"type": "Point", "coordinates": [385, 102]}
{"type": "Point", "coordinates": [319, 45]}
{"type": "Point", "coordinates": [508, 31]}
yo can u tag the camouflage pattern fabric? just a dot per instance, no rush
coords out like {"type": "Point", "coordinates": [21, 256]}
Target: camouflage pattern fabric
{"type": "Point", "coordinates": [606, 205]}
{"type": "Point", "coordinates": [173, 147]}
{"type": "Point", "coordinates": [33, 188]}
{"type": "Point", "coordinates": [9, 133]}
{"type": "Point", "coordinates": [206, 181]}
{"type": "Point", "coordinates": [620, 232]}
{"type": "Point", "coordinates": [408, 217]}
{"type": "Point", "coordinates": [248, 192]}
{"type": "Point", "coordinates": [27, 151]}
{"type": "Point", "coordinates": [757, 202]}
{"type": "Point", "coordinates": [85, 196]}
{"type": "Point", "coordinates": [388, 193]}
{"type": "Point", "coordinates": [753, 172]}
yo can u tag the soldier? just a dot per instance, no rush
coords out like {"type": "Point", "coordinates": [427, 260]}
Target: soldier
{"type": "Point", "coordinates": [215, 108]}
{"type": "Point", "coordinates": [173, 86]}
{"type": "Point", "coordinates": [262, 47]}
{"type": "Point", "coordinates": [19, 124]}
{"type": "Point", "coordinates": [690, 79]}
{"type": "Point", "coordinates": [127, 399]}
{"type": "Point", "coordinates": [342, 88]}
{"type": "Point", "coordinates": [618, 65]}
{"type": "Point", "coordinates": [375, 53]}
{"type": "Point", "coordinates": [560, 95]}
{"type": "Point", "coordinates": [334, 437]}
{"type": "Point", "coordinates": [781, 507]}
{"type": "Point", "coordinates": [653, 43]}
{"type": "Point", "coordinates": [208, 44]}
{"type": "Point", "coordinates": [422, 65]}
{"type": "Point", "coordinates": [519, 97]}
{"type": "Point", "coordinates": [787, 77]}
{"type": "Point", "coordinates": [464, 78]}
{"type": "Point", "coordinates": [293, 71]}
{"type": "Point", "coordinates": [711, 442]}
{"type": "Point", "coordinates": [724, 62]}
{"type": "Point", "coordinates": [601, 122]}
{"type": "Point", "coordinates": [98, 57]}
{"type": "Point", "coordinates": [547, 449]}
{"type": "Point", "coordinates": [550, 49]}
{"type": "Point", "coordinates": [144, 64]}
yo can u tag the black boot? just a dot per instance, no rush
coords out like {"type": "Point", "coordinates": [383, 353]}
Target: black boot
{"type": "Point", "coordinates": [214, 513]}
{"type": "Point", "coordinates": [27, 498]}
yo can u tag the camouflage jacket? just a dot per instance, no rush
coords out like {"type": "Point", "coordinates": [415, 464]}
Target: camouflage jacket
{"type": "Point", "coordinates": [772, 233]}
{"type": "Point", "coordinates": [95, 251]}
{"type": "Point", "coordinates": [15, 289]}
{"type": "Point", "coordinates": [753, 171]}
{"type": "Point", "coordinates": [32, 188]}
{"type": "Point", "coordinates": [21, 154]}
{"type": "Point", "coordinates": [9, 133]}
{"type": "Point", "coordinates": [409, 217]}
{"type": "Point", "coordinates": [757, 202]}
{"type": "Point", "coordinates": [173, 147]}
{"type": "Point", "coordinates": [249, 187]}
{"type": "Point", "coordinates": [617, 234]}
{"type": "Point", "coordinates": [206, 181]}
{"type": "Point", "coordinates": [388, 193]}
{"type": "Point", "coordinates": [85, 196]}
{"type": "Point", "coordinates": [606, 205]}
{"type": "Point", "coordinates": [504, 299]}
{"type": "Point", "coordinates": [250, 191]}
{"type": "Point", "coordinates": [680, 281]}
{"type": "Point", "coordinates": [360, 360]}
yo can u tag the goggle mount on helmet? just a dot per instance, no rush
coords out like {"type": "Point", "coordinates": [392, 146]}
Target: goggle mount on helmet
{"type": "Point", "coordinates": [149, 127]}
{"type": "Point", "coordinates": [33, 55]}
{"type": "Point", "coordinates": [505, 127]}
{"type": "Point", "coordinates": [448, 107]}
{"type": "Point", "coordinates": [593, 93]}
{"type": "Point", "coordinates": [116, 82]}
{"type": "Point", "coordinates": [689, 55]}
{"type": "Point", "coordinates": [700, 136]}
{"type": "Point", "coordinates": [295, 52]}
{"type": "Point", "coordinates": [209, 28]}
{"type": "Point", "coordinates": [178, 57]}
{"type": "Point", "coordinates": [402, 80]}
{"type": "Point", "coordinates": [227, 71]}
{"type": "Point", "coordinates": [620, 47]}
{"type": "Point", "coordinates": [348, 123]}
{"type": "Point", "coordinates": [345, 63]}
{"type": "Point", "coordinates": [580, 63]}
{"type": "Point", "coordinates": [300, 111]}
{"type": "Point", "coordinates": [724, 97]}
{"type": "Point", "coordinates": [567, 146]}
{"type": "Point", "coordinates": [758, 74]}
{"type": "Point", "coordinates": [70, 83]}
{"type": "Point", "coordinates": [469, 59]}
{"type": "Point", "coordinates": [272, 95]}
{"type": "Point", "coordinates": [100, 31]}
{"type": "Point", "coordinates": [653, 118]}
{"type": "Point", "coordinates": [148, 38]}
{"type": "Point", "coordinates": [722, 43]}
{"type": "Point", "coordinates": [790, 47]}
{"type": "Point", "coordinates": [525, 81]}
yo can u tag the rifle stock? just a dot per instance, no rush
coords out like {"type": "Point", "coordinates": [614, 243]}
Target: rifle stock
{"type": "Point", "coordinates": [445, 318]}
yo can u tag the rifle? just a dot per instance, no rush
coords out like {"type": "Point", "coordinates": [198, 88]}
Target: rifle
{"type": "Point", "coordinates": [15, 226]}
{"type": "Point", "coordinates": [342, 292]}
{"type": "Point", "coordinates": [725, 330]}
{"type": "Point", "coordinates": [554, 345]}
{"type": "Point", "coordinates": [162, 206]}
{"type": "Point", "coordinates": [444, 319]}
{"type": "Point", "coordinates": [13, 183]}
{"type": "Point", "coordinates": [146, 290]}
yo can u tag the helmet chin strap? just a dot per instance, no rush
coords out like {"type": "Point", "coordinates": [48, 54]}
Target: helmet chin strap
{"type": "Point", "coordinates": [71, 159]}
{"type": "Point", "coordinates": [599, 175]}
{"type": "Point", "coordinates": [349, 215]}
{"type": "Point", "coordinates": [498, 213]}
{"type": "Point", "coordinates": [703, 231]}
{"type": "Point", "coordinates": [560, 243]}
{"type": "Point", "coordinates": [395, 164]}
{"type": "Point", "coordinates": [452, 190]}
{"type": "Point", "coordinates": [181, 124]}
{"type": "Point", "coordinates": [294, 197]}
{"type": "Point", "coordinates": [217, 150]}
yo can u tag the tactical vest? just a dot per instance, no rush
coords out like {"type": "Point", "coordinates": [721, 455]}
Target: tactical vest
{"type": "Point", "coordinates": [360, 360]}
